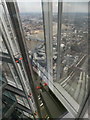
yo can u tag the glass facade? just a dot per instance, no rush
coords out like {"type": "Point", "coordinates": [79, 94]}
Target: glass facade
{"type": "Point", "coordinates": [44, 55]}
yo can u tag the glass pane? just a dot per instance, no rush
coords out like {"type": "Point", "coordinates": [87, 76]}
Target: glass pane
{"type": "Point", "coordinates": [32, 21]}
{"type": "Point", "coordinates": [74, 47]}
{"type": "Point", "coordinates": [76, 54]}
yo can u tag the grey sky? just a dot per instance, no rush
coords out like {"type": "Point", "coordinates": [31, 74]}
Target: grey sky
{"type": "Point", "coordinates": [35, 6]}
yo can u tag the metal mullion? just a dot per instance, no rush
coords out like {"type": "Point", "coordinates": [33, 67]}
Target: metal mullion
{"type": "Point", "coordinates": [47, 23]}
{"type": "Point", "coordinates": [58, 66]}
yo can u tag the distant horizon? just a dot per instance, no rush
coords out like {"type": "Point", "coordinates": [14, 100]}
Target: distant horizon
{"type": "Point", "coordinates": [55, 12]}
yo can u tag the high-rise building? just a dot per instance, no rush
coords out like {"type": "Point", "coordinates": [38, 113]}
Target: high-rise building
{"type": "Point", "coordinates": [50, 79]}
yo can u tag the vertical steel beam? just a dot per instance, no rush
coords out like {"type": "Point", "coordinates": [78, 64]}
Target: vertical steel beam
{"type": "Point", "coordinates": [15, 18]}
{"type": "Point", "coordinates": [48, 34]}
{"type": "Point", "coordinates": [58, 64]}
